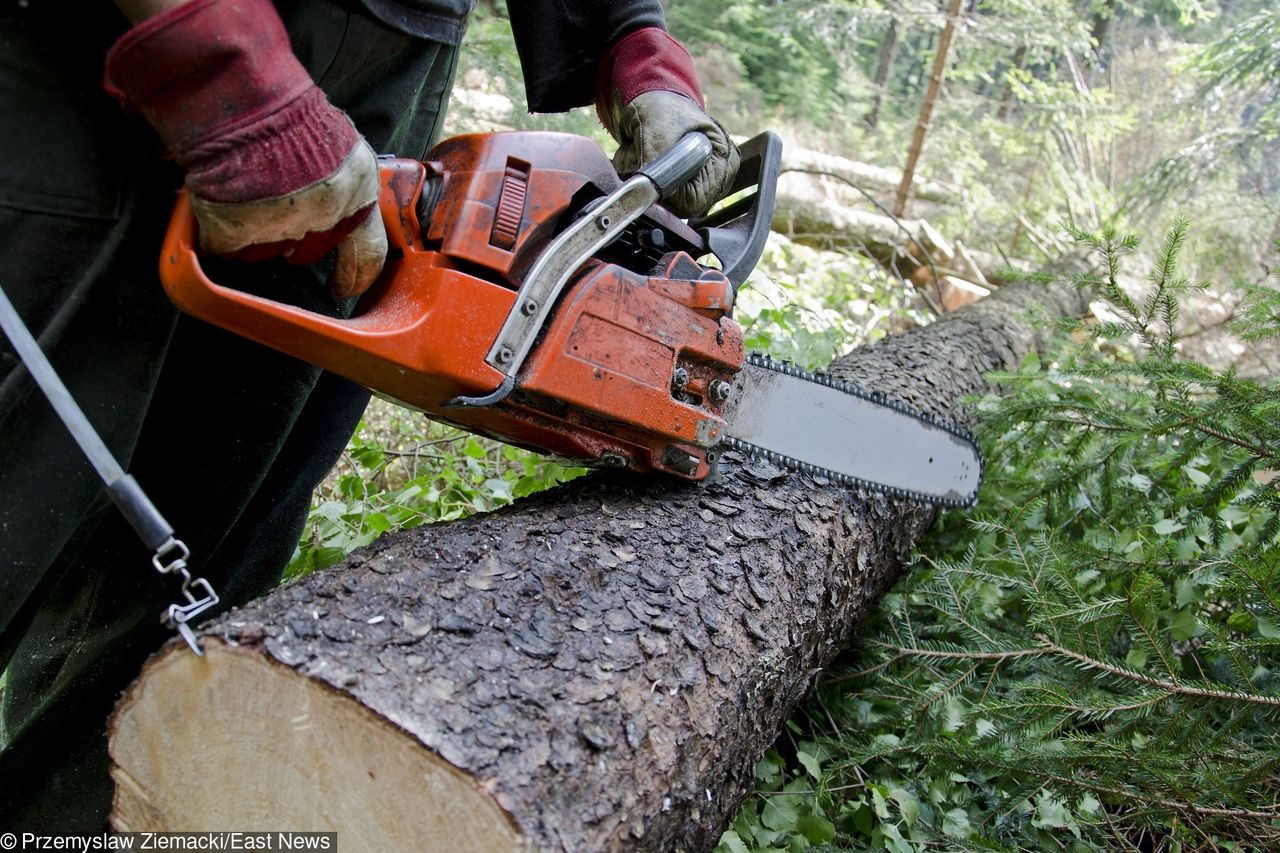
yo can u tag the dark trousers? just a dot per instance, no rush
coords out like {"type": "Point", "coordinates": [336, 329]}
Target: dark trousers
{"type": "Point", "coordinates": [228, 438]}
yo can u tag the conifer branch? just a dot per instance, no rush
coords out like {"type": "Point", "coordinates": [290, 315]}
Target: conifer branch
{"type": "Point", "coordinates": [1256, 450]}
{"type": "Point", "coordinates": [1048, 647]}
{"type": "Point", "coordinates": [1079, 655]}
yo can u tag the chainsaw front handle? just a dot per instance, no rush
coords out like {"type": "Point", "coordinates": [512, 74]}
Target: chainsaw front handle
{"type": "Point", "coordinates": [676, 166]}
{"type": "Point", "coordinates": [563, 256]}
{"type": "Point", "coordinates": [736, 232]}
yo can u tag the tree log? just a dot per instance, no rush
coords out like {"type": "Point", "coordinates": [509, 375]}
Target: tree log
{"type": "Point", "coordinates": [876, 180]}
{"type": "Point", "coordinates": [598, 667]}
{"type": "Point", "coordinates": [810, 211]}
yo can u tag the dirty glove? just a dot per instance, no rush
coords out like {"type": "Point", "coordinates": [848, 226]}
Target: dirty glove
{"type": "Point", "coordinates": [272, 167]}
{"type": "Point", "coordinates": [647, 97]}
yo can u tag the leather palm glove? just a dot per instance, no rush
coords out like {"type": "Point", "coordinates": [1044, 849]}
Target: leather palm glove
{"type": "Point", "coordinates": [272, 168]}
{"type": "Point", "coordinates": [647, 97]}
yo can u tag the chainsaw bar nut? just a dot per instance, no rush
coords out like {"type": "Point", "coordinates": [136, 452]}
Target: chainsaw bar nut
{"type": "Point", "coordinates": [720, 390]}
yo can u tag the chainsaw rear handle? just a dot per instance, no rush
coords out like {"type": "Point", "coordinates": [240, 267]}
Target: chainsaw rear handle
{"type": "Point", "coordinates": [395, 325]}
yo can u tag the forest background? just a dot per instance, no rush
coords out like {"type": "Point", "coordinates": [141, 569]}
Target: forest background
{"type": "Point", "coordinates": [1088, 659]}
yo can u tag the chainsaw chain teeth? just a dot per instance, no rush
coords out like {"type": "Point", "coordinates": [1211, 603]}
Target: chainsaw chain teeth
{"type": "Point", "coordinates": [879, 397]}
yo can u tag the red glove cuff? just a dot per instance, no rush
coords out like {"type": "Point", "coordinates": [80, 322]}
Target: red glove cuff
{"type": "Point", "coordinates": [220, 84]}
{"type": "Point", "coordinates": [644, 61]}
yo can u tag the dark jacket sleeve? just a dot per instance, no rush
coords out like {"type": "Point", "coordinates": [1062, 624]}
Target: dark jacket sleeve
{"type": "Point", "coordinates": [561, 42]}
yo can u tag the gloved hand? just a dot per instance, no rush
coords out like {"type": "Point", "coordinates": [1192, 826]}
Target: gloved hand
{"type": "Point", "coordinates": [272, 166]}
{"type": "Point", "coordinates": [647, 96]}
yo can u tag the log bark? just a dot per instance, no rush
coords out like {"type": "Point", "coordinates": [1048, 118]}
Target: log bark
{"type": "Point", "coordinates": [596, 668]}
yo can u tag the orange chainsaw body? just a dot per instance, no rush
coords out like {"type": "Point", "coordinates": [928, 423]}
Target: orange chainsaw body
{"type": "Point", "coordinates": [625, 369]}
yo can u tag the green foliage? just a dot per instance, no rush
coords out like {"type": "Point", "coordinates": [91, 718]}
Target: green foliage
{"type": "Point", "coordinates": [1247, 55]}
{"type": "Point", "coordinates": [400, 471]}
{"type": "Point", "coordinates": [1260, 317]}
{"type": "Point", "coordinates": [1229, 152]}
{"type": "Point", "coordinates": [783, 809]}
{"type": "Point", "coordinates": [798, 57]}
{"type": "Point", "coordinates": [1092, 667]}
{"type": "Point", "coordinates": [1093, 663]}
{"type": "Point", "coordinates": [810, 306]}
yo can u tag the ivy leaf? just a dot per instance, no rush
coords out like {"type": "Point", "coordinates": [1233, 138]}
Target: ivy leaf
{"type": "Point", "coordinates": [731, 842]}
{"type": "Point", "coordinates": [880, 802]}
{"type": "Point", "coordinates": [1184, 625]}
{"type": "Point", "coordinates": [1185, 592]}
{"type": "Point", "coordinates": [1141, 482]}
{"type": "Point", "coordinates": [955, 823]}
{"type": "Point", "coordinates": [780, 812]}
{"type": "Point", "coordinates": [769, 768]}
{"type": "Point", "coordinates": [500, 489]}
{"type": "Point", "coordinates": [862, 817]}
{"type": "Point", "coordinates": [907, 803]}
{"type": "Point", "coordinates": [368, 455]}
{"type": "Point", "coordinates": [1196, 476]}
{"type": "Point", "coordinates": [1051, 813]}
{"type": "Point", "coordinates": [893, 839]}
{"type": "Point", "coordinates": [331, 510]}
{"type": "Point", "coordinates": [817, 829]}
{"type": "Point", "coordinates": [810, 763]}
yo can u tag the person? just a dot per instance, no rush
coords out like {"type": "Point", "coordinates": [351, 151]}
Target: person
{"type": "Point", "coordinates": [269, 114]}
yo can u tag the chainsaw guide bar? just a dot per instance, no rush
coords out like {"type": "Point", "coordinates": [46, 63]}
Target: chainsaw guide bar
{"type": "Point", "coordinates": [864, 439]}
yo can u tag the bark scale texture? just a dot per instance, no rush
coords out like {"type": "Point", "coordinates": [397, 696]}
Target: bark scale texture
{"type": "Point", "coordinates": [596, 668]}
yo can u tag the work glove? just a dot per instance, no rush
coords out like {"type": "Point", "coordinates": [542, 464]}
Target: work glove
{"type": "Point", "coordinates": [272, 168]}
{"type": "Point", "coordinates": [647, 97]}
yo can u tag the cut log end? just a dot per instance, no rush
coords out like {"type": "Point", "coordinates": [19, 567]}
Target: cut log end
{"type": "Point", "coordinates": [312, 757]}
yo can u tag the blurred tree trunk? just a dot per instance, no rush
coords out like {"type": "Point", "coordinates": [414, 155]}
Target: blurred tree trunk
{"type": "Point", "coordinates": [926, 108]}
{"type": "Point", "coordinates": [1103, 21]}
{"type": "Point", "coordinates": [888, 47]}
{"type": "Point", "coordinates": [1007, 99]}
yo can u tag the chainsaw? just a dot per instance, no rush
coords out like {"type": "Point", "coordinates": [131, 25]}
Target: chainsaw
{"type": "Point", "coordinates": [532, 295]}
